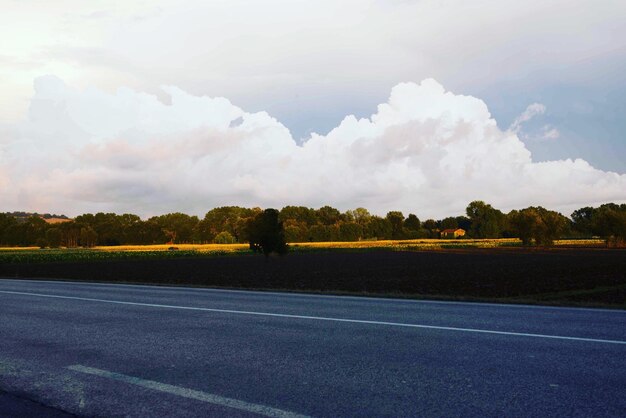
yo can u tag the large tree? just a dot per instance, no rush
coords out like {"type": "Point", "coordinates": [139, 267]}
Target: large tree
{"type": "Point", "coordinates": [300, 214]}
{"type": "Point", "coordinates": [486, 222]}
{"type": "Point", "coordinates": [7, 224]}
{"type": "Point", "coordinates": [379, 228]}
{"type": "Point", "coordinates": [430, 226]}
{"type": "Point", "coordinates": [582, 220]}
{"type": "Point", "coordinates": [609, 222]}
{"type": "Point", "coordinates": [360, 216]}
{"type": "Point", "coordinates": [449, 223]}
{"type": "Point", "coordinates": [350, 231]}
{"type": "Point", "coordinates": [412, 222]}
{"type": "Point", "coordinates": [537, 224]}
{"type": "Point", "coordinates": [396, 219]}
{"type": "Point", "coordinates": [178, 227]}
{"type": "Point", "coordinates": [328, 215]}
{"type": "Point", "coordinates": [231, 219]}
{"type": "Point", "coordinates": [266, 233]}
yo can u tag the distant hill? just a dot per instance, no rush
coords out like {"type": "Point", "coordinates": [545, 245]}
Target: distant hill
{"type": "Point", "coordinates": [49, 218]}
{"type": "Point", "coordinates": [54, 220]}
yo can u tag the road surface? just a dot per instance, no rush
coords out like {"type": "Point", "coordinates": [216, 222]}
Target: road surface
{"type": "Point", "coordinates": [145, 351]}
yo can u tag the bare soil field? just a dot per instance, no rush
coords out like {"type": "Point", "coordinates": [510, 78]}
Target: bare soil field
{"type": "Point", "coordinates": [571, 276]}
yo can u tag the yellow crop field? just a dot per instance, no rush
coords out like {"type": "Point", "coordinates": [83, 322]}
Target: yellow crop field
{"type": "Point", "coordinates": [182, 247]}
{"type": "Point", "coordinates": [415, 244]}
{"type": "Point", "coordinates": [395, 244]}
{"type": "Point", "coordinates": [411, 244]}
{"type": "Point", "coordinates": [440, 243]}
{"type": "Point", "coordinates": [580, 242]}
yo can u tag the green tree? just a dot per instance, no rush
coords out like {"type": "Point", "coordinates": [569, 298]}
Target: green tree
{"type": "Point", "coordinates": [412, 223]}
{"type": "Point", "coordinates": [151, 232]}
{"type": "Point", "coordinates": [328, 215]}
{"type": "Point", "coordinates": [379, 228]}
{"type": "Point", "coordinates": [131, 226]}
{"type": "Point", "coordinates": [360, 216]}
{"type": "Point", "coordinates": [88, 236]}
{"type": "Point", "coordinates": [551, 227]}
{"type": "Point", "coordinates": [53, 236]}
{"type": "Point", "coordinates": [396, 219]}
{"type": "Point", "coordinates": [29, 231]}
{"type": "Point", "coordinates": [300, 214]}
{"type": "Point", "coordinates": [537, 224]}
{"type": "Point", "coordinates": [609, 222]}
{"type": "Point", "coordinates": [7, 223]}
{"type": "Point", "coordinates": [178, 227]}
{"type": "Point", "coordinates": [295, 231]}
{"type": "Point", "coordinates": [350, 231]}
{"type": "Point", "coordinates": [411, 227]}
{"type": "Point", "coordinates": [266, 233]}
{"type": "Point", "coordinates": [430, 225]}
{"type": "Point", "coordinates": [232, 219]}
{"type": "Point", "coordinates": [523, 224]}
{"type": "Point", "coordinates": [582, 220]}
{"type": "Point", "coordinates": [320, 233]}
{"type": "Point", "coordinates": [449, 223]}
{"type": "Point", "coordinates": [224, 237]}
{"type": "Point", "coordinates": [486, 222]}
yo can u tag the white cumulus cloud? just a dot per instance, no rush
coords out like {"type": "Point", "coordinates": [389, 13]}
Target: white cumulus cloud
{"type": "Point", "coordinates": [426, 150]}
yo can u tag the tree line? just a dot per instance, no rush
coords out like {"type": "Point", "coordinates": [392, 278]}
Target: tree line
{"type": "Point", "coordinates": [231, 224]}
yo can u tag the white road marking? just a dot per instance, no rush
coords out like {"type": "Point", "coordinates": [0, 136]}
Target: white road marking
{"type": "Point", "coordinates": [189, 393]}
{"type": "Point", "coordinates": [319, 318]}
{"type": "Point", "coordinates": [319, 295]}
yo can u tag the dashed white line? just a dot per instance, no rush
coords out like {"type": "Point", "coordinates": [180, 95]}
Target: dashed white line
{"type": "Point", "coordinates": [189, 393]}
{"type": "Point", "coordinates": [319, 318]}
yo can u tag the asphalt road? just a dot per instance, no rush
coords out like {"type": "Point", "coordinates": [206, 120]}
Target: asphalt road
{"type": "Point", "coordinates": [119, 350]}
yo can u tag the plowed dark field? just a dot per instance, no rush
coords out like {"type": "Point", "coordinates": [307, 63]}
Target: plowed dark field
{"type": "Point", "coordinates": [569, 276]}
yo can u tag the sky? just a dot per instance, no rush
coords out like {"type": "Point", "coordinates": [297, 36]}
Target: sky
{"type": "Point", "coordinates": [151, 107]}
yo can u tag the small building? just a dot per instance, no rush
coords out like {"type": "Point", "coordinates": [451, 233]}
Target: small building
{"type": "Point", "coordinates": [452, 233]}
